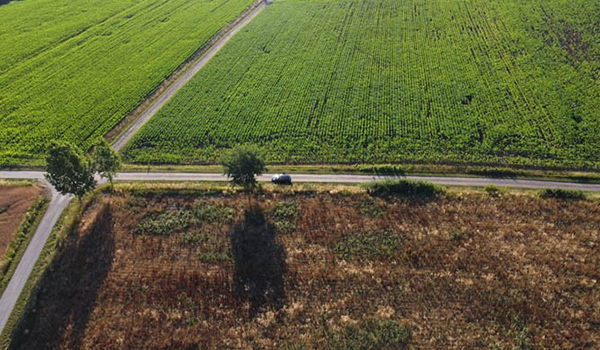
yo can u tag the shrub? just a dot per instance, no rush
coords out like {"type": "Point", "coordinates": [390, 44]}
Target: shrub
{"type": "Point", "coordinates": [405, 188]}
{"type": "Point", "coordinates": [165, 224]}
{"type": "Point", "coordinates": [492, 191]}
{"type": "Point", "coordinates": [562, 194]}
{"type": "Point", "coordinates": [205, 212]}
{"type": "Point", "coordinates": [379, 334]}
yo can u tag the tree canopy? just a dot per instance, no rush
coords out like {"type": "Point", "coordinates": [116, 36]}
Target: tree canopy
{"type": "Point", "coordinates": [106, 161]}
{"type": "Point", "coordinates": [68, 170]}
{"type": "Point", "coordinates": [242, 165]}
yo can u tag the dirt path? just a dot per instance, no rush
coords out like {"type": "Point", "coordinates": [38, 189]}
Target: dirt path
{"type": "Point", "coordinates": [160, 101]}
{"type": "Point", "coordinates": [15, 286]}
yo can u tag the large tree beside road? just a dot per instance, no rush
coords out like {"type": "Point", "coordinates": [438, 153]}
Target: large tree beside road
{"type": "Point", "coordinates": [68, 169]}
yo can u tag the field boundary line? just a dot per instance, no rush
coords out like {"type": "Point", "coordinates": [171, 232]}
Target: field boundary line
{"type": "Point", "coordinates": [125, 130]}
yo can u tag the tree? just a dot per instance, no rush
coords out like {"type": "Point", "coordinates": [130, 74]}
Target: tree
{"type": "Point", "coordinates": [68, 170]}
{"type": "Point", "coordinates": [106, 161]}
{"type": "Point", "coordinates": [242, 165]}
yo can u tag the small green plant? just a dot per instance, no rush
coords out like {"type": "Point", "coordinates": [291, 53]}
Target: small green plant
{"type": "Point", "coordinates": [370, 207]}
{"type": "Point", "coordinates": [206, 212]}
{"type": "Point", "coordinates": [371, 334]}
{"type": "Point", "coordinates": [368, 246]}
{"type": "Point", "coordinates": [492, 191]}
{"type": "Point", "coordinates": [557, 193]}
{"type": "Point", "coordinates": [212, 257]}
{"type": "Point", "coordinates": [405, 188]}
{"type": "Point", "coordinates": [165, 224]}
{"type": "Point", "coordinates": [459, 235]}
{"type": "Point", "coordinates": [283, 215]}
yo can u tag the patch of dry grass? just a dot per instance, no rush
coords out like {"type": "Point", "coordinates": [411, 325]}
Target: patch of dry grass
{"type": "Point", "coordinates": [350, 271]}
{"type": "Point", "coordinates": [14, 204]}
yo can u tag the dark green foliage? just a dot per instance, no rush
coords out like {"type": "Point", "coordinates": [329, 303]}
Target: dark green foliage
{"type": "Point", "coordinates": [405, 188]}
{"type": "Point", "coordinates": [212, 257]}
{"type": "Point", "coordinates": [369, 335]}
{"type": "Point", "coordinates": [562, 194]}
{"type": "Point", "coordinates": [68, 170]}
{"type": "Point", "coordinates": [165, 224]}
{"type": "Point", "coordinates": [372, 207]}
{"type": "Point", "coordinates": [209, 213]}
{"type": "Point", "coordinates": [107, 162]}
{"type": "Point", "coordinates": [492, 191]}
{"type": "Point", "coordinates": [242, 164]}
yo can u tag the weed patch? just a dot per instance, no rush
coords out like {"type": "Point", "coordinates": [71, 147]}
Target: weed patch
{"type": "Point", "coordinates": [562, 194]}
{"type": "Point", "coordinates": [405, 188]}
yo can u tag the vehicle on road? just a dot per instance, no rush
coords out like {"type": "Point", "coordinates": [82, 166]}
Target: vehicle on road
{"type": "Point", "coordinates": [282, 179]}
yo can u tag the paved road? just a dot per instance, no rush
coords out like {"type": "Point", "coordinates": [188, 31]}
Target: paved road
{"type": "Point", "coordinates": [335, 178]}
{"type": "Point", "coordinates": [12, 292]}
{"type": "Point", "coordinates": [184, 78]}
{"type": "Point", "coordinates": [59, 203]}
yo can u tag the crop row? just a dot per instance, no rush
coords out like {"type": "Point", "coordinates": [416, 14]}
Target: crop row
{"type": "Point", "coordinates": [73, 70]}
{"type": "Point", "coordinates": [380, 81]}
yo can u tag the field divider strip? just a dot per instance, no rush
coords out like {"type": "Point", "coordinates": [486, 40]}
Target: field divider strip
{"type": "Point", "coordinates": [184, 75]}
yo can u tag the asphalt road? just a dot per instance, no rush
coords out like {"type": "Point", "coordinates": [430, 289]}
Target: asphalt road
{"type": "Point", "coordinates": [59, 203]}
{"type": "Point", "coordinates": [336, 178]}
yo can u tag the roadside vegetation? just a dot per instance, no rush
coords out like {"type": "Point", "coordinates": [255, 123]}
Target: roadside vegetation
{"type": "Point", "coordinates": [328, 267]}
{"type": "Point", "coordinates": [70, 171]}
{"type": "Point", "coordinates": [562, 194]}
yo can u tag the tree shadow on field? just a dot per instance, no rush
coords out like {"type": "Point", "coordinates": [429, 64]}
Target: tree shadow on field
{"type": "Point", "coordinates": [4, 2]}
{"type": "Point", "coordinates": [61, 306]}
{"type": "Point", "coordinates": [259, 262]}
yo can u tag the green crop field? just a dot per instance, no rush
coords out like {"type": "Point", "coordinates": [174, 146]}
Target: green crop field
{"type": "Point", "coordinates": [73, 69]}
{"type": "Point", "coordinates": [316, 81]}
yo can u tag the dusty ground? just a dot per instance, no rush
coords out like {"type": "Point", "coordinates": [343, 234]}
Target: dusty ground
{"type": "Point", "coordinates": [324, 270]}
{"type": "Point", "coordinates": [14, 203]}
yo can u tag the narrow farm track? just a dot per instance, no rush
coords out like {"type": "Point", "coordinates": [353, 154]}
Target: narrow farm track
{"type": "Point", "coordinates": [59, 203]}
{"type": "Point", "coordinates": [30, 257]}
{"type": "Point", "coordinates": [125, 136]}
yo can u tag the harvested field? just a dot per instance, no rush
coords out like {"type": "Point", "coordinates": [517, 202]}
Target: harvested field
{"type": "Point", "coordinates": [14, 204]}
{"type": "Point", "coordinates": [322, 269]}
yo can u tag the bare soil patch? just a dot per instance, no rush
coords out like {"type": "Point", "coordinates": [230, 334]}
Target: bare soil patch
{"type": "Point", "coordinates": [323, 270]}
{"type": "Point", "coordinates": [14, 203]}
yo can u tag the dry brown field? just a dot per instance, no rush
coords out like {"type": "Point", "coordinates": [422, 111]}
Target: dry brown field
{"type": "Point", "coordinates": [322, 269]}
